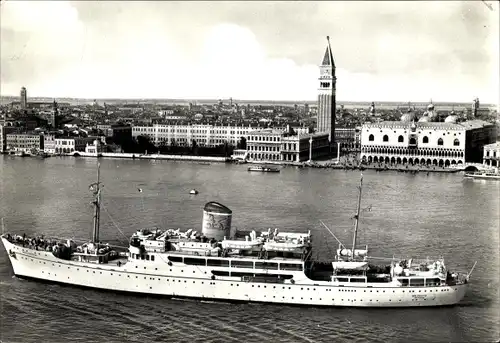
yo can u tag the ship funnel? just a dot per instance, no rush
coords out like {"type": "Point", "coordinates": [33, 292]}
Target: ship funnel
{"type": "Point", "coordinates": [216, 221]}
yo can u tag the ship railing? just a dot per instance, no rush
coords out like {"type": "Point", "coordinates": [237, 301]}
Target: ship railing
{"type": "Point", "coordinates": [457, 279]}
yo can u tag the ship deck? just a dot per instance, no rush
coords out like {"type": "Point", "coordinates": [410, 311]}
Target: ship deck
{"type": "Point", "coordinates": [237, 256]}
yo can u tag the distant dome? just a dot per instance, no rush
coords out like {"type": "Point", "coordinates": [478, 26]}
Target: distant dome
{"type": "Point", "coordinates": [408, 117]}
{"type": "Point", "coordinates": [451, 119]}
{"type": "Point", "coordinates": [430, 107]}
{"type": "Point", "coordinates": [424, 119]}
{"type": "Point", "coordinates": [433, 116]}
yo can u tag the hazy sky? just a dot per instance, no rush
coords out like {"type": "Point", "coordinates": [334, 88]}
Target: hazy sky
{"type": "Point", "coordinates": [401, 51]}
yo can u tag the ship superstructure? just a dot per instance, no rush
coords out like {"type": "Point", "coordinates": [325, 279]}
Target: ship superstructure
{"type": "Point", "coordinates": [268, 266]}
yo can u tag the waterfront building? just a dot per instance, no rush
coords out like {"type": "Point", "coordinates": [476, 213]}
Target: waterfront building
{"type": "Point", "coordinates": [478, 134]}
{"type": "Point", "coordinates": [24, 142]}
{"type": "Point", "coordinates": [265, 145]}
{"type": "Point", "coordinates": [349, 138]}
{"type": "Point", "coordinates": [71, 145]}
{"type": "Point", "coordinates": [5, 129]}
{"type": "Point", "coordinates": [183, 135]}
{"type": "Point", "coordinates": [425, 143]}
{"type": "Point", "coordinates": [24, 98]}
{"type": "Point", "coordinates": [283, 145]}
{"type": "Point", "coordinates": [297, 148]}
{"type": "Point", "coordinates": [49, 143]}
{"type": "Point", "coordinates": [491, 155]}
{"type": "Point", "coordinates": [326, 95]}
{"type": "Point", "coordinates": [95, 147]}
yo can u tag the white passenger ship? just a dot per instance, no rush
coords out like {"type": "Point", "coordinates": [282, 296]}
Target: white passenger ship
{"type": "Point", "coordinates": [271, 266]}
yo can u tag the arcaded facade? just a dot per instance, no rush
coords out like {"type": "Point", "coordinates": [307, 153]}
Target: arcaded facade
{"type": "Point", "coordinates": [421, 143]}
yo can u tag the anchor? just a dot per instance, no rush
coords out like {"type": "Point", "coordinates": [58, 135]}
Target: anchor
{"type": "Point", "coordinates": [12, 254]}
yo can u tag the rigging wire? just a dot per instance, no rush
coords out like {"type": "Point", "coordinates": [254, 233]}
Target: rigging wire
{"type": "Point", "coordinates": [342, 245]}
{"type": "Point", "coordinates": [113, 221]}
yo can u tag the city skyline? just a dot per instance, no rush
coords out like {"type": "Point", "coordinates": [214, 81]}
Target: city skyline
{"type": "Point", "coordinates": [447, 51]}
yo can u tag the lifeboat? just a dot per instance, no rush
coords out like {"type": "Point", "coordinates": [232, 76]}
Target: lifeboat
{"type": "Point", "coordinates": [240, 245]}
{"type": "Point", "coordinates": [348, 252]}
{"type": "Point", "coordinates": [284, 246]}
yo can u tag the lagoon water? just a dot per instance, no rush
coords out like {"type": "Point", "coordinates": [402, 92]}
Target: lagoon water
{"type": "Point", "coordinates": [411, 215]}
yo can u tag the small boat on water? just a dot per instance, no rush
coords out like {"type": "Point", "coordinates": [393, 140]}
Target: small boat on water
{"type": "Point", "coordinates": [42, 154]}
{"type": "Point", "coordinates": [193, 191]}
{"type": "Point", "coordinates": [264, 169]}
{"type": "Point", "coordinates": [22, 154]}
{"type": "Point", "coordinates": [490, 175]}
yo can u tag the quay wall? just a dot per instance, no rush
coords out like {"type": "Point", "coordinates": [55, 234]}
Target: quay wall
{"type": "Point", "coordinates": [156, 157]}
{"type": "Point", "coordinates": [328, 164]}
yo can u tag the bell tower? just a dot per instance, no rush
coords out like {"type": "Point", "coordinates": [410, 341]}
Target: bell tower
{"type": "Point", "coordinates": [326, 95]}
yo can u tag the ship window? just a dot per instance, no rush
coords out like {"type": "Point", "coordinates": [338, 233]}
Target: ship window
{"type": "Point", "coordinates": [404, 282]}
{"type": "Point", "coordinates": [416, 282]}
{"type": "Point", "coordinates": [195, 261]}
{"type": "Point", "coordinates": [217, 263]}
{"type": "Point", "coordinates": [290, 266]}
{"type": "Point", "coordinates": [175, 258]}
{"type": "Point", "coordinates": [266, 265]}
{"type": "Point", "coordinates": [432, 282]}
{"type": "Point", "coordinates": [241, 264]}
{"type": "Point", "coordinates": [342, 279]}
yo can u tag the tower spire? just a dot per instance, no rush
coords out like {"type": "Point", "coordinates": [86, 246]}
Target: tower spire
{"type": "Point", "coordinates": [328, 57]}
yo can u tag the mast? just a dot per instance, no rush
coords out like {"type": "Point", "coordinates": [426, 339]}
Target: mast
{"type": "Point", "coordinates": [95, 188]}
{"type": "Point", "coordinates": [356, 217]}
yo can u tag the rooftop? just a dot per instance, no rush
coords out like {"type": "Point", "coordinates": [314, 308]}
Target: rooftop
{"type": "Point", "coordinates": [469, 124]}
{"type": "Point", "coordinates": [493, 146]}
{"type": "Point", "coordinates": [475, 124]}
{"type": "Point", "coordinates": [267, 132]}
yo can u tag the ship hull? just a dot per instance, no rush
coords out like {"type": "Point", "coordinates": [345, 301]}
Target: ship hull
{"type": "Point", "coordinates": [192, 282]}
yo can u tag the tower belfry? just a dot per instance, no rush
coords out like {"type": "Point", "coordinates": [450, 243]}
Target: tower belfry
{"type": "Point", "coordinates": [326, 94]}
